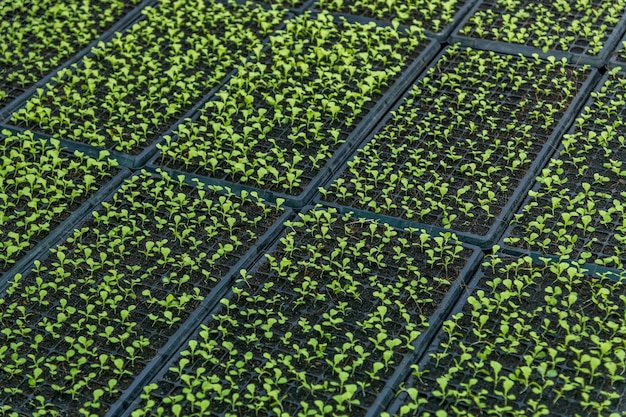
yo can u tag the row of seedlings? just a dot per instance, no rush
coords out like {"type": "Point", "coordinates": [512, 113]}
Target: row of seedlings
{"type": "Point", "coordinates": [463, 145]}
{"type": "Point", "coordinates": [533, 339]}
{"type": "Point", "coordinates": [435, 17]}
{"type": "Point", "coordinates": [40, 187]}
{"type": "Point", "coordinates": [80, 327]}
{"type": "Point", "coordinates": [279, 121]}
{"type": "Point", "coordinates": [296, 6]}
{"type": "Point", "coordinates": [37, 36]}
{"type": "Point", "coordinates": [323, 326]}
{"type": "Point", "coordinates": [585, 31]}
{"type": "Point", "coordinates": [128, 91]}
{"type": "Point", "coordinates": [577, 208]}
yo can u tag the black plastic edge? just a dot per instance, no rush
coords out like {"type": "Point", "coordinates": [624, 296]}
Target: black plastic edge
{"type": "Point", "coordinates": [535, 186]}
{"type": "Point", "coordinates": [403, 81]}
{"type": "Point", "coordinates": [268, 5]}
{"type": "Point", "coordinates": [613, 61]}
{"type": "Point", "coordinates": [306, 5]}
{"type": "Point", "coordinates": [502, 220]}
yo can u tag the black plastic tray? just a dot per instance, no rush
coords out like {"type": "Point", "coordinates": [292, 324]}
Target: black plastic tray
{"type": "Point", "coordinates": [345, 150]}
{"type": "Point", "coordinates": [402, 368]}
{"type": "Point", "coordinates": [527, 50]}
{"type": "Point", "coordinates": [515, 199]}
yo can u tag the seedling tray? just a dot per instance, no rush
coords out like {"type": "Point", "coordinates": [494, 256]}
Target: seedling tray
{"type": "Point", "coordinates": [574, 209]}
{"type": "Point", "coordinates": [113, 100]}
{"type": "Point", "coordinates": [294, 302]}
{"type": "Point", "coordinates": [69, 49]}
{"type": "Point", "coordinates": [123, 290]}
{"type": "Point", "coordinates": [223, 149]}
{"type": "Point", "coordinates": [44, 191]}
{"type": "Point", "coordinates": [415, 17]}
{"type": "Point", "coordinates": [513, 344]}
{"type": "Point", "coordinates": [439, 141]}
{"type": "Point", "coordinates": [577, 50]}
